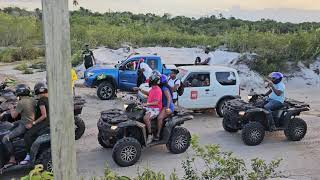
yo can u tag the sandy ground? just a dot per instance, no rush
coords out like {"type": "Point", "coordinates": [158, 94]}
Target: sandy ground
{"type": "Point", "coordinates": [300, 159]}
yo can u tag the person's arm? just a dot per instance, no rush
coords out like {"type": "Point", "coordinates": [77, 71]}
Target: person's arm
{"type": "Point", "coordinates": [276, 91]}
{"type": "Point", "coordinates": [168, 97]}
{"type": "Point", "coordinates": [15, 111]}
{"type": "Point", "coordinates": [176, 86]}
{"type": "Point", "coordinates": [43, 114]}
{"type": "Point", "coordinates": [94, 59]}
{"type": "Point", "coordinates": [144, 92]}
{"type": "Point", "coordinates": [268, 93]}
{"type": "Point", "coordinates": [154, 103]}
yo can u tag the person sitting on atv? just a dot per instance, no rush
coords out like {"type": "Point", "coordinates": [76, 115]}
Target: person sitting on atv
{"type": "Point", "coordinates": [26, 108]}
{"type": "Point", "coordinates": [276, 94]}
{"type": "Point", "coordinates": [42, 118]}
{"type": "Point", "coordinates": [167, 104]}
{"type": "Point", "coordinates": [154, 103]}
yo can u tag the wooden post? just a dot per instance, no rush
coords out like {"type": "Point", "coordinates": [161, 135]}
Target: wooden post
{"type": "Point", "coordinates": [58, 57]}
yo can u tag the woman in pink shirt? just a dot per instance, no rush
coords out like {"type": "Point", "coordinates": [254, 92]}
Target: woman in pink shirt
{"type": "Point", "coordinates": [154, 104]}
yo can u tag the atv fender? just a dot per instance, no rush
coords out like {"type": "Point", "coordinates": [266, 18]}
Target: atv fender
{"type": "Point", "coordinates": [138, 124]}
{"type": "Point", "coordinates": [292, 113]}
{"type": "Point", "coordinates": [41, 142]}
{"type": "Point", "coordinates": [171, 123]}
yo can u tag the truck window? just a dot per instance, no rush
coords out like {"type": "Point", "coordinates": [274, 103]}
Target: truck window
{"type": "Point", "coordinates": [153, 64]}
{"type": "Point", "coordinates": [197, 80]}
{"type": "Point", "coordinates": [132, 65]}
{"type": "Point", "coordinates": [226, 78]}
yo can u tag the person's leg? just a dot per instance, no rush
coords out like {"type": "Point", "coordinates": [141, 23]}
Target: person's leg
{"type": "Point", "coordinates": [146, 120]}
{"type": "Point", "coordinates": [19, 130]}
{"type": "Point", "coordinates": [270, 106]}
{"type": "Point", "coordinates": [160, 119]}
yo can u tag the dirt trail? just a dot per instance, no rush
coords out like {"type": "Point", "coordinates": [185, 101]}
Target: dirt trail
{"type": "Point", "coordinates": [300, 159]}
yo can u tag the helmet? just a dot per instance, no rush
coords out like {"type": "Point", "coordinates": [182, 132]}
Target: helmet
{"type": "Point", "coordinates": [207, 49]}
{"type": "Point", "coordinates": [40, 88]}
{"type": "Point", "coordinates": [276, 77]}
{"type": "Point", "coordinates": [154, 78]}
{"type": "Point", "coordinates": [22, 90]}
{"type": "Point", "coordinates": [163, 79]}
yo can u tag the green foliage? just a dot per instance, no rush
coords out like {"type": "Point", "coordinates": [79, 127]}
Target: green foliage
{"type": "Point", "coordinates": [276, 43]}
{"type": "Point", "coordinates": [24, 67]}
{"type": "Point", "coordinates": [19, 54]}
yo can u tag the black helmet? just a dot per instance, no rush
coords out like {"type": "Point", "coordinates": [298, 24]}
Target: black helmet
{"type": "Point", "coordinates": [22, 90]}
{"type": "Point", "coordinates": [154, 78]}
{"type": "Point", "coordinates": [40, 88]}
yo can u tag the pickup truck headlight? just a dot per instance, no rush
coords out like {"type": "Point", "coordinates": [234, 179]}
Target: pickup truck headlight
{"type": "Point", "coordinates": [90, 74]}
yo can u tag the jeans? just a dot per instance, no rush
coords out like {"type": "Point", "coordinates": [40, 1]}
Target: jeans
{"type": "Point", "coordinates": [18, 130]}
{"type": "Point", "coordinates": [272, 105]}
{"type": "Point", "coordinates": [32, 134]}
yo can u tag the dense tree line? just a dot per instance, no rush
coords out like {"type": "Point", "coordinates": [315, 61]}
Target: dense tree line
{"type": "Point", "coordinates": [275, 43]}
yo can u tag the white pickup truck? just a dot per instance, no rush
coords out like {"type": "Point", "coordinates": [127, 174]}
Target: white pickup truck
{"type": "Point", "coordinates": [206, 87]}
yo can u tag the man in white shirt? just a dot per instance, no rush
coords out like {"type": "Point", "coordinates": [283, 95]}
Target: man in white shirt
{"type": "Point", "coordinates": [145, 68]}
{"type": "Point", "coordinates": [174, 83]}
{"type": "Point", "coordinates": [208, 58]}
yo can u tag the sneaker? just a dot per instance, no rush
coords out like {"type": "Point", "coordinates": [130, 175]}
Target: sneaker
{"type": "Point", "coordinates": [149, 139]}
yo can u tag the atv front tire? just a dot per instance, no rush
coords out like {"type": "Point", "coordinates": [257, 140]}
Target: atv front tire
{"type": "Point", "coordinates": [253, 133]}
{"type": "Point", "coordinates": [45, 159]}
{"type": "Point", "coordinates": [126, 152]}
{"type": "Point", "coordinates": [296, 130]}
{"type": "Point", "coordinates": [179, 140]}
{"type": "Point", "coordinates": [106, 91]}
{"type": "Point", "coordinates": [80, 127]}
{"type": "Point", "coordinates": [226, 127]}
{"type": "Point", "coordinates": [104, 142]}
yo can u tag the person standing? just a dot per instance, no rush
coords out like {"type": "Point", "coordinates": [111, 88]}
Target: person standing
{"type": "Point", "coordinates": [88, 57]}
{"type": "Point", "coordinates": [74, 77]}
{"type": "Point", "coordinates": [208, 59]}
{"type": "Point", "coordinates": [144, 72]}
{"type": "Point", "coordinates": [174, 84]}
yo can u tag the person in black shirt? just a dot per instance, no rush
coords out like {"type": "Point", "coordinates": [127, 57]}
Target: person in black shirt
{"type": "Point", "coordinates": [42, 118]}
{"type": "Point", "coordinates": [88, 57]}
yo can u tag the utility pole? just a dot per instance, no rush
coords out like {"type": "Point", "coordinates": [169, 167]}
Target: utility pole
{"type": "Point", "coordinates": [58, 58]}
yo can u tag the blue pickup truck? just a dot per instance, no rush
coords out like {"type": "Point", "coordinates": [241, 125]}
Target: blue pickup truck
{"type": "Point", "coordinates": [122, 76]}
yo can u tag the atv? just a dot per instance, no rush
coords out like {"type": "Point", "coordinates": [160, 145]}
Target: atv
{"type": "Point", "coordinates": [254, 120]}
{"type": "Point", "coordinates": [78, 106]}
{"type": "Point", "coordinates": [4, 90]}
{"type": "Point", "coordinates": [40, 150]}
{"type": "Point", "coordinates": [127, 134]}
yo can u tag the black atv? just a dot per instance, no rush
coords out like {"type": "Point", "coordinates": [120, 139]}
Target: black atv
{"type": "Point", "coordinates": [126, 133]}
{"type": "Point", "coordinates": [253, 119]}
{"type": "Point", "coordinates": [4, 90]}
{"type": "Point", "coordinates": [40, 150]}
{"type": "Point", "coordinates": [78, 106]}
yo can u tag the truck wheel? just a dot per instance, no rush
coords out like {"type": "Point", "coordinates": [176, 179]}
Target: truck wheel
{"type": "Point", "coordinates": [104, 142]}
{"type": "Point", "coordinates": [126, 152]}
{"type": "Point", "coordinates": [80, 127]}
{"type": "Point", "coordinates": [226, 127]}
{"type": "Point", "coordinates": [179, 140]}
{"type": "Point", "coordinates": [220, 106]}
{"type": "Point", "coordinates": [253, 133]}
{"type": "Point", "coordinates": [106, 91]}
{"type": "Point", "coordinates": [296, 130]}
{"type": "Point", "coordinates": [45, 159]}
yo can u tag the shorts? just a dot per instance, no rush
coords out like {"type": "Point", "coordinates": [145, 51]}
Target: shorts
{"type": "Point", "coordinates": [154, 112]}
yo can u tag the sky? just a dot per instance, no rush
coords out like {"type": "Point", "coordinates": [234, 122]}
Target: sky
{"type": "Point", "coordinates": [281, 10]}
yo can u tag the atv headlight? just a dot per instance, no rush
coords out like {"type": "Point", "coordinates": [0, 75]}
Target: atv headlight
{"type": "Point", "coordinates": [242, 113]}
{"type": "Point", "coordinates": [125, 106]}
{"type": "Point", "coordinates": [249, 97]}
{"type": "Point", "coordinates": [114, 127]}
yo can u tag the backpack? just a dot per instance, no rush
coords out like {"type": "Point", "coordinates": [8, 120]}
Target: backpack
{"type": "Point", "coordinates": [180, 89]}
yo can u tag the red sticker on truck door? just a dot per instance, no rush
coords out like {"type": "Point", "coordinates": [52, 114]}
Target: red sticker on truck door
{"type": "Point", "coordinates": [194, 95]}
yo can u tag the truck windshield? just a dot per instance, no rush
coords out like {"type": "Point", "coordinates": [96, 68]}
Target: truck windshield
{"type": "Point", "coordinates": [182, 73]}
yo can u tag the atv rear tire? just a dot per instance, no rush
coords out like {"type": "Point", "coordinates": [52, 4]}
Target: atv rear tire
{"type": "Point", "coordinates": [45, 159]}
{"type": "Point", "coordinates": [106, 91]}
{"type": "Point", "coordinates": [179, 140]}
{"type": "Point", "coordinates": [226, 127]}
{"type": "Point", "coordinates": [296, 130]}
{"type": "Point", "coordinates": [104, 142]}
{"type": "Point", "coordinates": [126, 152]}
{"type": "Point", "coordinates": [253, 133]}
{"type": "Point", "coordinates": [80, 127]}
{"type": "Point", "coordinates": [220, 106]}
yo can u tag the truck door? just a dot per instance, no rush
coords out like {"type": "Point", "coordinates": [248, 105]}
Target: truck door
{"type": "Point", "coordinates": [128, 75]}
{"type": "Point", "coordinates": [198, 92]}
